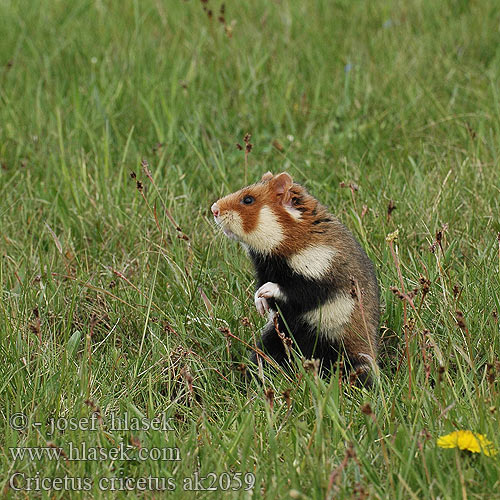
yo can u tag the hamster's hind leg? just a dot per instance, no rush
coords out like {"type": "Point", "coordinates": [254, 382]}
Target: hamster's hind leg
{"type": "Point", "coordinates": [359, 345]}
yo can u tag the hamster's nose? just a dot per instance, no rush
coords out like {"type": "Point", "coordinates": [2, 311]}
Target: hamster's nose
{"type": "Point", "coordinates": [215, 210]}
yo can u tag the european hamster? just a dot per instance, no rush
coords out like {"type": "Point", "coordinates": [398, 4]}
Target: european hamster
{"type": "Point", "coordinates": [311, 269]}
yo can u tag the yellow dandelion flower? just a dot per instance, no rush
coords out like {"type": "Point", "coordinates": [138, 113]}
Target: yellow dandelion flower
{"type": "Point", "coordinates": [467, 440]}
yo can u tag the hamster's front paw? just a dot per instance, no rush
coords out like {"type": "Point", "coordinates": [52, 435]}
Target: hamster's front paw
{"type": "Point", "coordinates": [267, 291]}
{"type": "Point", "coordinates": [261, 305]}
{"type": "Point", "coordinates": [270, 290]}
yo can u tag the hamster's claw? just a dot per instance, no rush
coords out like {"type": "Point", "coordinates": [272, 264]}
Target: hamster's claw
{"type": "Point", "coordinates": [266, 291]}
{"type": "Point", "coordinates": [261, 305]}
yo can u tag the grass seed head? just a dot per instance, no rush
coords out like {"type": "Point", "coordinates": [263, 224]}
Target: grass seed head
{"type": "Point", "coordinates": [286, 395]}
{"type": "Point", "coordinates": [459, 316]}
{"type": "Point", "coordinates": [242, 368]}
{"type": "Point", "coordinates": [269, 394]}
{"type": "Point", "coordinates": [441, 371]}
{"type": "Point", "coordinates": [390, 208]}
{"type": "Point", "coordinates": [366, 409]}
{"type": "Point", "coordinates": [246, 322]}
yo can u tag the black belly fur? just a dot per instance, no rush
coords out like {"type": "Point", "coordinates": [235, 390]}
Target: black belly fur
{"type": "Point", "coordinates": [302, 295]}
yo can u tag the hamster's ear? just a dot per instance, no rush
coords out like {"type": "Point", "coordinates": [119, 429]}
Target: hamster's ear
{"type": "Point", "coordinates": [267, 177]}
{"type": "Point", "coordinates": [282, 183]}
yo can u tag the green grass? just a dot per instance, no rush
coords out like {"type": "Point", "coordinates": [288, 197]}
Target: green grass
{"type": "Point", "coordinates": [103, 301]}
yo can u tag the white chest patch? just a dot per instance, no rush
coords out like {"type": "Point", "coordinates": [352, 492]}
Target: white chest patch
{"type": "Point", "coordinates": [312, 262]}
{"type": "Point", "coordinates": [332, 316]}
{"type": "Point", "coordinates": [268, 233]}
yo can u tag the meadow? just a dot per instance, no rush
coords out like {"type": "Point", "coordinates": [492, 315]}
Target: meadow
{"type": "Point", "coordinates": [118, 129]}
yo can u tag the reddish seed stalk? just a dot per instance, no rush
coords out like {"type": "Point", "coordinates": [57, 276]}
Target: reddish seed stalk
{"type": "Point", "coordinates": [259, 352]}
{"type": "Point", "coordinates": [282, 337]}
{"type": "Point", "coordinates": [335, 474]}
{"type": "Point", "coordinates": [247, 149]}
{"type": "Point", "coordinates": [405, 318]}
{"type": "Point", "coordinates": [246, 166]}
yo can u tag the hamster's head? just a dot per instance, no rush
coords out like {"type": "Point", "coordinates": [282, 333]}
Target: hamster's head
{"type": "Point", "coordinates": [263, 215]}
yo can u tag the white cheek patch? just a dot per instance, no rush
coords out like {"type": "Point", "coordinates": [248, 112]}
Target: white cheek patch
{"type": "Point", "coordinates": [231, 224]}
{"type": "Point", "coordinates": [268, 233]}
{"type": "Point", "coordinates": [313, 262]}
{"type": "Point", "coordinates": [332, 316]}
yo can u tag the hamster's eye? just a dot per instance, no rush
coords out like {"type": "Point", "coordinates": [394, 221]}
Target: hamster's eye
{"type": "Point", "coordinates": [248, 200]}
